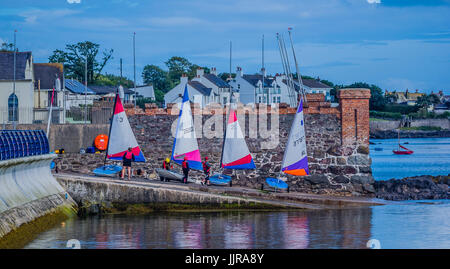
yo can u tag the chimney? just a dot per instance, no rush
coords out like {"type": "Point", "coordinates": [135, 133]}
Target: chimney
{"type": "Point", "coordinates": [183, 79]}
{"type": "Point", "coordinates": [239, 71]}
{"type": "Point", "coordinates": [417, 90]}
{"type": "Point", "coordinates": [263, 71]}
{"type": "Point", "coordinates": [200, 72]}
{"type": "Point", "coordinates": [213, 71]}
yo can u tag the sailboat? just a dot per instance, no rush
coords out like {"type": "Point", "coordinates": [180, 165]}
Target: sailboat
{"type": "Point", "coordinates": [235, 152]}
{"type": "Point", "coordinates": [121, 138]}
{"type": "Point", "coordinates": [403, 150]}
{"type": "Point", "coordinates": [185, 143]}
{"type": "Point", "coordinates": [295, 160]}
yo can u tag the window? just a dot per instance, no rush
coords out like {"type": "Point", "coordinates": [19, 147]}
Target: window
{"type": "Point", "coordinates": [274, 99]}
{"type": "Point", "coordinates": [278, 99]}
{"type": "Point", "coordinates": [259, 99]}
{"type": "Point", "coordinates": [239, 86]}
{"type": "Point", "coordinates": [13, 108]}
{"type": "Point", "coordinates": [224, 100]}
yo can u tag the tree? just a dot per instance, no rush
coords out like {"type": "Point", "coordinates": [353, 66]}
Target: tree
{"type": "Point", "coordinates": [178, 66]}
{"type": "Point", "coordinates": [113, 80]}
{"type": "Point", "coordinates": [7, 47]}
{"type": "Point", "coordinates": [425, 101]}
{"type": "Point", "coordinates": [225, 76]}
{"type": "Point", "coordinates": [153, 74]}
{"type": "Point", "coordinates": [74, 58]}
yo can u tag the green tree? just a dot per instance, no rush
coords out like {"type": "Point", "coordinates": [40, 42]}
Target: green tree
{"type": "Point", "coordinates": [74, 58]}
{"type": "Point", "coordinates": [113, 80]}
{"type": "Point", "coordinates": [7, 47]}
{"type": "Point", "coordinates": [425, 101]}
{"type": "Point", "coordinates": [178, 66]}
{"type": "Point", "coordinates": [153, 74]}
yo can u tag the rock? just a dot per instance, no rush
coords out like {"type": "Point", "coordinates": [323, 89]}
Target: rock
{"type": "Point", "coordinates": [411, 188]}
{"type": "Point", "coordinates": [362, 179]}
{"type": "Point", "coordinates": [317, 179]}
{"type": "Point", "coordinates": [341, 161]}
{"type": "Point", "coordinates": [341, 179]}
{"type": "Point", "coordinates": [363, 150]}
{"type": "Point", "coordinates": [359, 160]}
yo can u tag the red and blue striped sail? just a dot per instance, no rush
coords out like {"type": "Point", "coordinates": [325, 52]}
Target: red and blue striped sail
{"type": "Point", "coordinates": [235, 153]}
{"type": "Point", "coordinates": [295, 160]}
{"type": "Point", "coordinates": [121, 135]}
{"type": "Point", "coordinates": [185, 143]}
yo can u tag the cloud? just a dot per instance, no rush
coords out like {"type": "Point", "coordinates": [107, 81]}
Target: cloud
{"type": "Point", "coordinates": [74, 1]}
{"type": "Point", "coordinates": [374, 1]}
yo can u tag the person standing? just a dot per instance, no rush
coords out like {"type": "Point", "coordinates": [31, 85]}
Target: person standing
{"type": "Point", "coordinates": [127, 158]}
{"type": "Point", "coordinates": [206, 170]}
{"type": "Point", "coordinates": [185, 167]}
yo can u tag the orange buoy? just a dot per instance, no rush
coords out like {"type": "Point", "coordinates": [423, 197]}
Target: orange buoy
{"type": "Point", "coordinates": [101, 142]}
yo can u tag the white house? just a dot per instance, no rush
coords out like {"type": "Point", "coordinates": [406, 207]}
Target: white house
{"type": "Point", "coordinates": [18, 106]}
{"type": "Point", "coordinates": [146, 91]}
{"type": "Point", "coordinates": [315, 86]}
{"type": "Point", "coordinates": [221, 90]}
{"type": "Point", "coordinates": [198, 93]}
{"type": "Point", "coordinates": [251, 90]}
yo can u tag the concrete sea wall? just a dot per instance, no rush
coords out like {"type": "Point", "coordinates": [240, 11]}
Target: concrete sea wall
{"type": "Point", "coordinates": [29, 191]}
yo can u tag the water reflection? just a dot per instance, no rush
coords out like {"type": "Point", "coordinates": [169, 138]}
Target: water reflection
{"type": "Point", "coordinates": [234, 230]}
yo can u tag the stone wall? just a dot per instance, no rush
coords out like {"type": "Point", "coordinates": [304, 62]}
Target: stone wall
{"type": "Point", "coordinates": [338, 159]}
{"type": "Point", "coordinates": [393, 124]}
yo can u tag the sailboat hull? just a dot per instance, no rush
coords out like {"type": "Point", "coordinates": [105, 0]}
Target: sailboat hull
{"type": "Point", "coordinates": [108, 170]}
{"type": "Point", "coordinates": [220, 179]}
{"type": "Point", "coordinates": [276, 183]}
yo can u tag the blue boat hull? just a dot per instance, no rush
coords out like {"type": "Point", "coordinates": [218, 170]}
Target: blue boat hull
{"type": "Point", "coordinates": [107, 170]}
{"type": "Point", "coordinates": [276, 183]}
{"type": "Point", "coordinates": [220, 179]}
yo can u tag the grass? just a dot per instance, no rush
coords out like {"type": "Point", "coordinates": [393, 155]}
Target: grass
{"type": "Point", "coordinates": [377, 119]}
{"type": "Point", "coordinates": [422, 128]}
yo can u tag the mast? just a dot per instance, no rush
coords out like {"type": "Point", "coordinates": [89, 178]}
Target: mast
{"type": "Point", "coordinates": [14, 85]}
{"type": "Point", "coordinates": [226, 119]}
{"type": "Point", "coordinates": [299, 77]}
{"type": "Point", "coordinates": [110, 126]}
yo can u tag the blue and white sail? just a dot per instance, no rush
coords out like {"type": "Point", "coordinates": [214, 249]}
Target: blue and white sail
{"type": "Point", "coordinates": [185, 143]}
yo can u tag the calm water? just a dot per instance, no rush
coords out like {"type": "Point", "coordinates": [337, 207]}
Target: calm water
{"type": "Point", "coordinates": [412, 224]}
{"type": "Point", "coordinates": [402, 225]}
{"type": "Point", "coordinates": [431, 157]}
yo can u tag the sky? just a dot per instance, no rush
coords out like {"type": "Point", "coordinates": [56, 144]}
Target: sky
{"type": "Point", "coordinates": [395, 44]}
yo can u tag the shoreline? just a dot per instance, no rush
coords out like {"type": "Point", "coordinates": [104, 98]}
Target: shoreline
{"type": "Point", "coordinates": [393, 133]}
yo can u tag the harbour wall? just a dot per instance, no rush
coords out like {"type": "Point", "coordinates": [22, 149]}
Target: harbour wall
{"type": "Point", "coordinates": [337, 143]}
{"type": "Point", "coordinates": [28, 191]}
{"type": "Point", "coordinates": [383, 125]}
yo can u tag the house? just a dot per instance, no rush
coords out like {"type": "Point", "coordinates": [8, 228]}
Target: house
{"type": "Point", "coordinates": [77, 95]}
{"type": "Point", "coordinates": [406, 98]}
{"type": "Point", "coordinates": [221, 90]}
{"type": "Point", "coordinates": [146, 91]}
{"type": "Point", "coordinates": [48, 76]}
{"type": "Point", "coordinates": [251, 89]}
{"type": "Point", "coordinates": [16, 99]}
{"type": "Point", "coordinates": [315, 86]}
{"type": "Point", "coordinates": [198, 93]}
{"type": "Point", "coordinates": [442, 108]}
{"type": "Point", "coordinates": [109, 92]}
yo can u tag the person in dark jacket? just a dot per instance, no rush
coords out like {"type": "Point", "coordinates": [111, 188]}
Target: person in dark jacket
{"type": "Point", "coordinates": [206, 170]}
{"type": "Point", "coordinates": [185, 167]}
{"type": "Point", "coordinates": [127, 158]}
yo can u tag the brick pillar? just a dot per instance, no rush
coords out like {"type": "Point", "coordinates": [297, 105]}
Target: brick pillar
{"type": "Point", "coordinates": [354, 104]}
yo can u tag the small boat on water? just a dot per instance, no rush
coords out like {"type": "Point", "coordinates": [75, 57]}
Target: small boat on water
{"type": "Point", "coordinates": [401, 150]}
{"type": "Point", "coordinates": [121, 138]}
